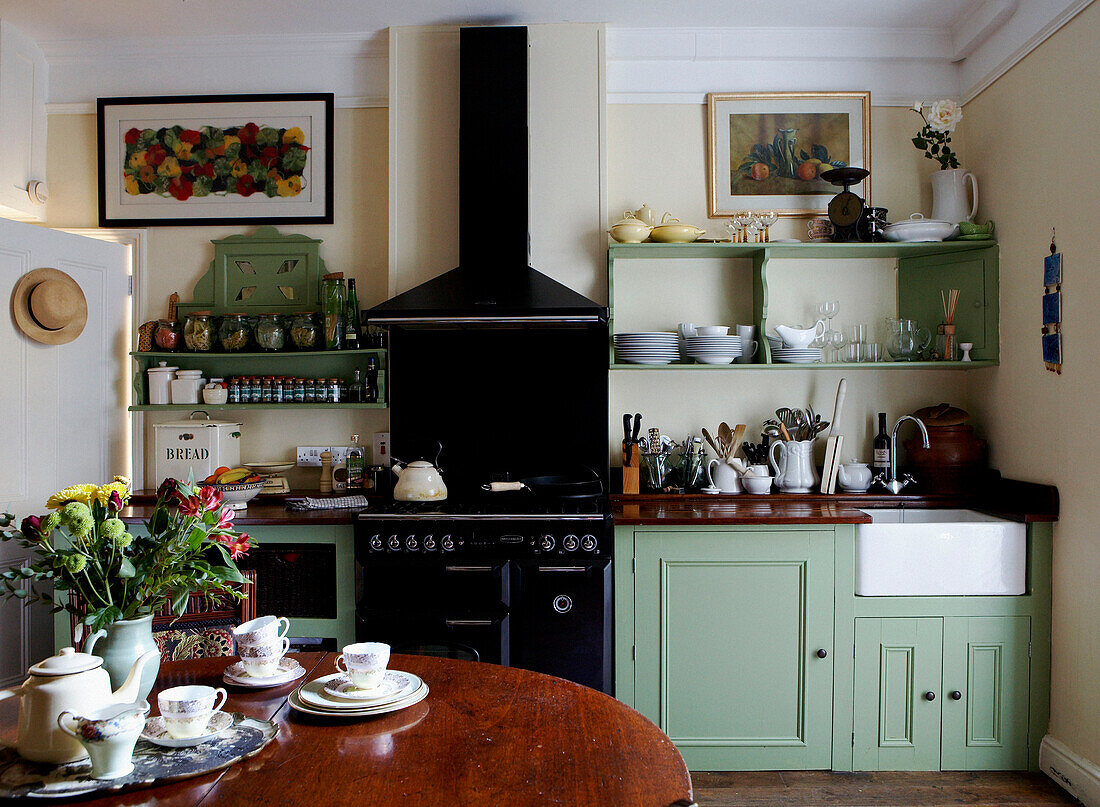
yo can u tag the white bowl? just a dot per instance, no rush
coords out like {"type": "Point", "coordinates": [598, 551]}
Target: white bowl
{"type": "Point", "coordinates": [713, 330]}
{"type": "Point", "coordinates": [758, 485]}
{"type": "Point", "coordinates": [239, 495]}
{"type": "Point", "coordinates": [919, 228]}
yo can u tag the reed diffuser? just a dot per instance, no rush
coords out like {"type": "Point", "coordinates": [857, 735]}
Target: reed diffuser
{"type": "Point", "coordinates": [946, 343]}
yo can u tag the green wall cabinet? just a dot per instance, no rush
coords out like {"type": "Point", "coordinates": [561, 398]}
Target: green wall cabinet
{"type": "Point", "coordinates": [734, 645]}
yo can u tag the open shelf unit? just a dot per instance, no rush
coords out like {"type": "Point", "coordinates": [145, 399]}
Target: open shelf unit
{"type": "Point", "coordinates": [923, 269]}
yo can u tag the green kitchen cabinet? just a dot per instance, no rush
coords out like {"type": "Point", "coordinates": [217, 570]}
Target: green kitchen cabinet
{"type": "Point", "coordinates": [733, 644]}
{"type": "Point", "coordinates": [949, 693]}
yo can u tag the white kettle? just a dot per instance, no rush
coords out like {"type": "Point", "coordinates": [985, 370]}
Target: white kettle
{"type": "Point", "coordinates": [69, 681]}
{"type": "Point", "coordinates": [418, 481]}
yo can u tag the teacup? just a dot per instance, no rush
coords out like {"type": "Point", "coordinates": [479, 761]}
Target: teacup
{"type": "Point", "coordinates": [109, 734]}
{"type": "Point", "coordinates": [262, 629]}
{"type": "Point", "coordinates": [262, 660]}
{"type": "Point", "coordinates": [364, 663]}
{"type": "Point", "coordinates": [187, 710]}
{"type": "Point", "coordinates": [758, 470]}
{"type": "Point", "coordinates": [757, 484]}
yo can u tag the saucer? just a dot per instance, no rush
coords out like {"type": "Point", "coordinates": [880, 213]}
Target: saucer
{"type": "Point", "coordinates": [395, 684]}
{"type": "Point", "coordinates": [156, 733]}
{"type": "Point", "coordinates": [289, 670]}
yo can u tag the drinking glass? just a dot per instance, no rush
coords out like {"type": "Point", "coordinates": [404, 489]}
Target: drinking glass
{"type": "Point", "coordinates": [836, 341]}
{"type": "Point", "coordinates": [768, 218]}
{"type": "Point", "coordinates": [744, 219]}
{"type": "Point", "coordinates": [858, 333]}
{"type": "Point", "coordinates": [873, 352]}
{"type": "Point", "coordinates": [855, 352]}
{"type": "Point", "coordinates": [734, 228]}
{"type": "Point", "coordinates": [829, 309]}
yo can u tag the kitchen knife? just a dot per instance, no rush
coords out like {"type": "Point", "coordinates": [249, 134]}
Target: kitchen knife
{"type": "Point", "coordinates": [637, 428]}
{"type": "Point", "coordinates": [626, 439]}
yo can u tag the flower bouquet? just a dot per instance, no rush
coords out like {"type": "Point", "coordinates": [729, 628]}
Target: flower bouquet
{"type": "Point", "coordinates": [188, 546]}
{"type": "Point", "coordinates": [934, 138]}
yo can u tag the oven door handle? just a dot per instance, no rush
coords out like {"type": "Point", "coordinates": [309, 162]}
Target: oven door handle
{"type": "Point", "coordinates": [469, 623]}
{"type": "Point", "coordinates": [562, 568]}
{"type": "Point", "coordinates": [468, 568]}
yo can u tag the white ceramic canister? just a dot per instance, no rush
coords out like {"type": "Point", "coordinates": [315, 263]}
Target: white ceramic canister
{"type": "Point", "coordinates": [159, 381]}
{"type": "Point", "coordinates": [186, 386]}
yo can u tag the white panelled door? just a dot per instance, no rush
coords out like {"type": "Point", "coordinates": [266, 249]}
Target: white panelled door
{"type": "Point", "coordinates": [62, 412]}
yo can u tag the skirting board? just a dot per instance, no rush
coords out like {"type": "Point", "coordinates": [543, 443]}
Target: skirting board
{"type": "Point", "coordinates": [1074, 773]}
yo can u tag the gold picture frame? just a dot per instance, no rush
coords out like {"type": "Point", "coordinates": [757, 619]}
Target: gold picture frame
{"type": "Point", "coordinates": [748, 171]}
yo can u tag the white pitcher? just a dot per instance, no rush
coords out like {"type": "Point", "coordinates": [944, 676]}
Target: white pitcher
{"type": "Point", "coordinates": [794, 472]}
{"type": "Point", "coordinates": [724, 475]}
{"type": "Point", "coordinates": [949, 195]}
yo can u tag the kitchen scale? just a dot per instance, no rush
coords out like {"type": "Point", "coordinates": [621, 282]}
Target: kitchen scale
{"type": "Point", "coordinates": [845, 208]}
{"type": "Point", "coordinates": [273, 482]}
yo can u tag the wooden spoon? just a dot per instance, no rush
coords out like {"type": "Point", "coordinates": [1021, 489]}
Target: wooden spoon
{"type": "Point", "coordinates": [726, 436]}
{"type": "Point", "coordinates": [735, 444]}
{"type": "Point", "coordinates": [710, 440]}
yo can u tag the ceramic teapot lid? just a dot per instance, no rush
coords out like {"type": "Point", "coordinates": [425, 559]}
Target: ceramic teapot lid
{"type": "Point", "coordinates": [630, 218]}
{"type": "Point", "coordinates": [66, 662]}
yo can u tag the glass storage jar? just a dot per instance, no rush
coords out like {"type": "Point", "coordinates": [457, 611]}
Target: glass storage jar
{"type": "Point", "coordinates": [305, 331]}
{"type": "Point", "coordinates": [234, 333]}
{"type": "Point", "coordinates": [271, 332]}
{"type": "Point", "coordinates": [168, 335]}
{"type": "Point", "coordinates": [199, 331]}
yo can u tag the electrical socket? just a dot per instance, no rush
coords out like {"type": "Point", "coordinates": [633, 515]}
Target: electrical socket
{"type": "Point", "coordinates": [310, 456]}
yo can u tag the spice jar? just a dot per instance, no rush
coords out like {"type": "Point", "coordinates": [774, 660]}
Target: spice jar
{"type": "Point", "coordinates": [198, 331]}
{"type": "Point", "coordinates": [270, 332]}
{"type": "Point", "coordinates": [234, 333]}
{"type": "Point", "coordinates": [168, 335]}
{"type": "Point", "coordinates": [305, 331]}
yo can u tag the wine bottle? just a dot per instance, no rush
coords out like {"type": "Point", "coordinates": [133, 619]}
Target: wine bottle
{"type": "Point", "coordinates": [881, 461]}
{"type": "Point", "coordinates": [351, 318]}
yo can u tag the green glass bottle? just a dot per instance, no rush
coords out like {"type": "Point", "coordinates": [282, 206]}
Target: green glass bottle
{"type": "Point", "coordinates": [351, 318]}
{"type": "Point", "coordinates": [334, 302]}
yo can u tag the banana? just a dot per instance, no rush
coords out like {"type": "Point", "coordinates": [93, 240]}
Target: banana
{"type": "Point", "coordinates": [236, 475]}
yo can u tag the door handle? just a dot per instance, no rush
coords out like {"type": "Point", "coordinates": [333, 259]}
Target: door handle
{"type": "Point", "coordinates": [956, 695]}
{"type": "Point", "coordinates": [468, 568]}
{"type": "Point", "coordinates": [822, 653]}
{"type": "Point", "coordinates": [562, 568]}
{"type": "Point", "coordinates": [468, 623]}
{"type": "Point", "coordinates": [929, 696]}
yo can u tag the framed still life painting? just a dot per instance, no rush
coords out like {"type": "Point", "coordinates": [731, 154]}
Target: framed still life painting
{"type": "Point", "coordinates": [215, 159]}
{"type": "Point", "coordinates": [768, 150]}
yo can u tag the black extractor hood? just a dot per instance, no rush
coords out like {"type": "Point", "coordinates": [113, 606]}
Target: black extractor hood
{"type": "Point", "coordinates": [494, 283]}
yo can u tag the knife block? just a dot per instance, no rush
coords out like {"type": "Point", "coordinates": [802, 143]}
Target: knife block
{"type": "Point", "coordinates": [630, 471]}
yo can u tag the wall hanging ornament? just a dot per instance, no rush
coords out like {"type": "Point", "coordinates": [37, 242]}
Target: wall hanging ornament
{"type": "Point", "coordinates": [1052, 308]}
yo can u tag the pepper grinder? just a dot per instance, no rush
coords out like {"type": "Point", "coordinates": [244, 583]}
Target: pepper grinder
{"type": "Point", "coordinates": [326, 471]}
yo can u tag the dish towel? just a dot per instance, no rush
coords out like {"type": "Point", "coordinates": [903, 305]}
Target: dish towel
{"type": "Point", "coordinates": [337, 503]}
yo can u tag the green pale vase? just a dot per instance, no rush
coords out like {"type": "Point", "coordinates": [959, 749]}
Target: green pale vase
{"type": "Point", "coordinates": [124, 643]}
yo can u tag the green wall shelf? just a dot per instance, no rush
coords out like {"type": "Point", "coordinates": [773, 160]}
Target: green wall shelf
{"type": "Point", "coordinates": [879, 365]}
{"type": "Point", "coordinates": [282, 407]}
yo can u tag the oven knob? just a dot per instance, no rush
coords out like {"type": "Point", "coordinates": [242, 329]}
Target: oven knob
{"type": "Point", "coordinates": [588, 543]}
{"type": "Point", "coordinates": [447, 543]}
{"type": "Point", "coordinates": [429, 543]}
{"type": "Point", "coordinates": [563, 604]}
{"type": "Point", "coordinates": [570, 543]}
{"type": "Point", "coordinates": [546, 543]}
{"type": "Point", "coordinates": [376, 544]}
{"type": "Point", "coordinates": [411, 543]}
{"type": "Point", "coordinates": [394, 543]}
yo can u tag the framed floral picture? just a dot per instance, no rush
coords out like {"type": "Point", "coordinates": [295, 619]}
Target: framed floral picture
{"type": "Point", "coordinates": [768, 150]}
{"type": "Point", "coordinates": [215, 159]}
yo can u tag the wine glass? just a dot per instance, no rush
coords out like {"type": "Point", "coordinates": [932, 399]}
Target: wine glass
{"type": "Point", "coordinates": [768, 218]}
{"type": "Point", "coordinates": [744, 219]}
{"type": "Point", "coordinates": [734, 228]}
{"type": "Point", "coordinates": [829, 309]}
{"type": "Point", "coordinates": [836, 340]}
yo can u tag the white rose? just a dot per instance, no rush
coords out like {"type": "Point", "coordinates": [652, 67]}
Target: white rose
{"type": "Point", "coordinates": [917, 106]}
{"type": "Point", "coordinates": [944, 115]}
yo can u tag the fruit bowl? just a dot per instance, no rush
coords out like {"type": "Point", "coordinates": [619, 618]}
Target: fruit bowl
{"type": "Point", "coordinates": [237, 494]}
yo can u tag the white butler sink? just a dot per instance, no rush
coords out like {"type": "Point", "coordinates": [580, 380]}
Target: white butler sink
{"type": "Point", "coordinates": [937, 553]}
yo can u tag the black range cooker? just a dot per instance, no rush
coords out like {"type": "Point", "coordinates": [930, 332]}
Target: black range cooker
{"type": "Point", "coordinates": [528, 589]}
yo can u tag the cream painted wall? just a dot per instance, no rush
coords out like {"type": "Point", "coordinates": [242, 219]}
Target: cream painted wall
{"type": "Point", "coordinates": [1043, 114]}
{"type": "Point", "coordinates": [355, 244]}
{"type": "Point", "coordinates": [656, 154]}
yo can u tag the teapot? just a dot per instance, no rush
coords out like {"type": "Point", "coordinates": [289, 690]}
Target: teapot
{"type": "Point", "coordinates": [418, 481]}
{"type": "Point", "coordinates": [69, 681]}
{"type": "Point", "coordinates": [854, 476]}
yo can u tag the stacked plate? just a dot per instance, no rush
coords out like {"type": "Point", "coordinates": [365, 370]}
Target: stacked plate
{"type": "Point", "coordinates": [792, 355]}
{"type": "Point", "coordinates": [334, 696]}
{"type": "Point", "coordinates": [712, 349]}
{"type": "Point", "coordinates": [654, 347]}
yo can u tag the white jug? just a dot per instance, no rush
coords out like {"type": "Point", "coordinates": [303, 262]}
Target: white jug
{"type": "Point", "coordinates": [794, 472]}
{"type": "Point", "coordinates": [949, 195]}
{"type": "Point", "coordinates": [724, 476]}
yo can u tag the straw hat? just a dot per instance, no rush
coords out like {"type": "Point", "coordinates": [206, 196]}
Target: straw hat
{"type": "Point", "coordinates": [49, 306]}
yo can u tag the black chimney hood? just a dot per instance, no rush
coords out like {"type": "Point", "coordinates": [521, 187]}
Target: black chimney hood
{"type": "Point", "coordinates": [494, 283]}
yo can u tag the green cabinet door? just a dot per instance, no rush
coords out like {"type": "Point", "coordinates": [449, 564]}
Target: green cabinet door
{"type": "Point", "coordinates": [986, 683]}
{"type": "Point", "coordinates": [897, 725]}
{"type": "Point", "coordinates": [728, 629]}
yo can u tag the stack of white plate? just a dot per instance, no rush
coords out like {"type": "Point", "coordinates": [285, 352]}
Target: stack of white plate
{"type": "Point", "coordinates": [712, 349]}
{"type": "Point", "coordinates": [334, 696]}
{"type": "Point", "coordinates": [793, 355]}
{"type": "Point", "coordinates": [654, 347]}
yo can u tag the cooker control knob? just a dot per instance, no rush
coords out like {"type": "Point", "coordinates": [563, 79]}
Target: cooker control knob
{"type": "Point", "coordinates": [570, 543]}
{"type": "Point", "coordinates": [546, 543]}
{"type": "Point", "coordinates": [588, 543]}
{"type": "Point", "coordinates": [394, 543]}
{"type": "Point", "coordinates": [376, 543]}
{"type": "Point", "coordinates": [429, 543]}
{"type": "Point", "coordinates": [411, 543]}
{"type": "Point", "coordinates": [447, 543]}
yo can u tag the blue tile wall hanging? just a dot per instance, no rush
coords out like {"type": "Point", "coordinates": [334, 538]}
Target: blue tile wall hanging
{"type": "Point", "coordinates": [1052, 308]}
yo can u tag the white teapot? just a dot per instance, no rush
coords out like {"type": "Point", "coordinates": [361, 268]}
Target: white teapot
{"type": "Point", "coordinates": [418, 481]}
{"type": "Point", "coordinates": [854, 476]}
{"type": "Point", "coordinates": [69, 681]}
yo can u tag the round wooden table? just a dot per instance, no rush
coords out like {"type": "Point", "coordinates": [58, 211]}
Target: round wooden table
{"type": "Point", "coordinates": [485, 735]}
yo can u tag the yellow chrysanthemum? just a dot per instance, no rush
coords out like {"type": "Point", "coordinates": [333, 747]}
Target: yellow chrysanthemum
{"type": "Point", "coordinates": [183, 149]}
{"type": "Point", "coordinates": [76, 493]}
{"type": "Point", "coordinates": [137, 159]}
{"type": "Point", "coordinates": [169, 168]}
{"type": "Point", "coordinates": [294, 135]}
{"type": "Point", "coordinates": [238, 169]}
{"type": "Point", "coordinates": [132, 185]}
{"type": "Point", "coordinates": [289, 187]}
{"type": "Point", "coordinates": [103, 492]}
{"type": "Point", "coordinates": [124, 480]}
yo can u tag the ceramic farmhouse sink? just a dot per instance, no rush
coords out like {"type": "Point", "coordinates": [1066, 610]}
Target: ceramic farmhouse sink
{"type": "Point", "coordinates": [936, 553]}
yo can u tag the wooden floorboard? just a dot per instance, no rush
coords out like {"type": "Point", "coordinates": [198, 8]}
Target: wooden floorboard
{"type": "Point", "coordinates": [877, 789]}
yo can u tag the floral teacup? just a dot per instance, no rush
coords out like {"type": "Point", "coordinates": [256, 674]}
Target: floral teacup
{"type": "Point", "coordinates": [262, 629]}
{"type": "Point", "coordinates": [364, 663]}
{"type": "Point", "coordinates": [109, 734]}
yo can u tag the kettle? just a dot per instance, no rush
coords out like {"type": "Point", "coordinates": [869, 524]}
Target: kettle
{"type": "Point", "coordinates": [419, 481]}
{"type": "Point", "coordinates": [68, 681]}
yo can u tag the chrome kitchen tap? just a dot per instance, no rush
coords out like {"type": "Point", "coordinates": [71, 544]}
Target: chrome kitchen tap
{"type": "Point", "coordinates": [891, 482]}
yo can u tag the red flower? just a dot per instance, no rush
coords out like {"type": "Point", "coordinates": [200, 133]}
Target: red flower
{"type": "Point", "coordinates": [191, 506]}
{"type": "Point", "coordinates": [114, 504]}
{"type": "Point", "coordinates": [31, 528]}
{"type": "Point", "coordinates": [155, 154]}
{"type": "Point", "coordinates": [190, 136]}
{"type": "Point", "coordinates": [236, 544]}
{"type": "Point", "coordinates": [180, 188]}
{"type": "Point", "coordinates": [225, 519]}
{"type": "Point", "coordinates": [132, 136]}
{"type": "Point", "coordinates": [247, 133]}
{"type": "Point", "coordinates": [206, 170]}
{"type": "Point", "coordinates": [246, 186]}
{"type": "Point", "coordinates": [167, 488]}
{"type": "Point", "coordinates": [211, 497]}
{"type": "Point", "coordinates": [269, 156]}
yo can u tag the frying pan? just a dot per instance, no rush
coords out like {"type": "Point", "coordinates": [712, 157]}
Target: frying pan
{"type": "Point", "coordinates": [558, 486]}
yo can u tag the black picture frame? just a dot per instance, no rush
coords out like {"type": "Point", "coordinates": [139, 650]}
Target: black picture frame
{"type": "Point", "coordinates": [133, 196]}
